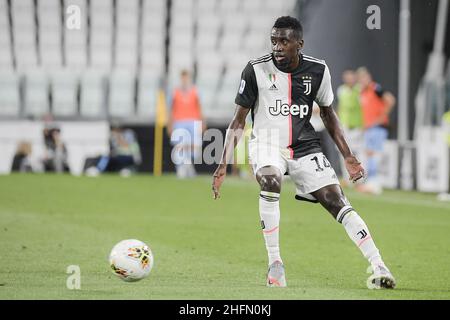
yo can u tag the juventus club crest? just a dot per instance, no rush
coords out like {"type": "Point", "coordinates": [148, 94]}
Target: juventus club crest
{"type": "Point", "coordinates": [307, 85]}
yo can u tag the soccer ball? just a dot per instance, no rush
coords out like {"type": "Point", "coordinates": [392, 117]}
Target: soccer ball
{"type": "Point", "coordinates": [131, 260]}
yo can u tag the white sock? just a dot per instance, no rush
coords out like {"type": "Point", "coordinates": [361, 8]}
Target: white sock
{"type": "Point", "coordinates": [269, 210]}
{"type": "Point", "coordinates": [359, 233]}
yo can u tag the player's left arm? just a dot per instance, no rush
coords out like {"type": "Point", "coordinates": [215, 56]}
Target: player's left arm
{"type": "Point", "coordinates": [324, 98]}
{"type": "Point", "coordinates": [333, 125]}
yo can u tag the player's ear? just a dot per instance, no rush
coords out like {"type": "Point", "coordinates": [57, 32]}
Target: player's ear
{"type": "Point", "coordinates": [300, 44]}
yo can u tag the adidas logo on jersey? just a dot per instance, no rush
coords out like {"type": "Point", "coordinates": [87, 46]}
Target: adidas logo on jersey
{"type": "Point", "coordinates": [272, 79]}
{"type": "Point", "coordinates": [285, 109]}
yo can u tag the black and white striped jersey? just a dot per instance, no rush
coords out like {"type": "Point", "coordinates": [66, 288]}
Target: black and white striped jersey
{"type": "Point", "coordinates": [281, 103]}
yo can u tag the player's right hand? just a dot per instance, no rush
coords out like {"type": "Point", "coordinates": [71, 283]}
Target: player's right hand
{"type": "Point", "coordinates": [218, 177]}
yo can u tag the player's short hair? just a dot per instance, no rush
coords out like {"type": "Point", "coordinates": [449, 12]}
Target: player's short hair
{"type": "Point", "coordinates": [290, 23]}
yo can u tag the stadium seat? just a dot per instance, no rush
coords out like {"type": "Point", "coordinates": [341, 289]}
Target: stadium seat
{"type": "Point", "coordinates": [147, 95]}
{"type": "Point", "coordinates": [153, 37]}
{"type": "Point", "coordinates": [101, 56]}
{"type": "Point", "coordinates": [157, 6]}
{"type": "Point", "coordinates": [229, 6]}
{"type": "Point", "coordinates": [6, 61]}
{"type": "Point", "coordinates": [184, 5]}
{"type": "Point", "coordinates": [126, 38]}
{"type": "Point", "coordinates": [49, 22]}
{"type": "Point", "coordinates": [101, 34]}
{"type": "Point", "coordinates": [64, 89]}
{"type": "Point", "coordinates": [152, 61]}
{"type": "Point", "coordinates": [206, 6]}
{"type": "Point", "coordinates": [121, 93]}
{"type": "Point", "coordinates": [288, 6]}
{"type": "Point", "coordinates": [36, 93]}
{"type": "Point", "coordinates": [75, 45]}
{"type": "Point", "coordinates": [9, 94]}
{"type": "Point", "coordinates": [92, 94]}
{"type": "Point", "coordinates": [252, 6]}
{"type": "Point", "coordinates": [206, 42]}
{"type": "Point", "coordinates": [126, 57]}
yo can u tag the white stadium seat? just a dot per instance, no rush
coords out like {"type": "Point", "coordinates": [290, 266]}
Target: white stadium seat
{"type": "Point", "coordinates": [64, 88]}
{"type": "Point", "coordinates": [227, 6]}
{"type": "Point", "coordinates": [9, 94]}
{"type": "Point", "coordinates": [147, 95]}
{"type": "Point", "coordinates": [121, 93]}
{"type": "Point", "coordinates": [36, 93]}
{"type": "Point", "coordinates": [92, 94]}
{"type": "Point", "coordinates": [75, 46]}
{"type": "Point", "coordinates": [207, 6]}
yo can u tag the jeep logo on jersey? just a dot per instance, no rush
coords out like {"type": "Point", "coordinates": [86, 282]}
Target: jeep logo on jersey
{"type": "Point", "coordinates": [285, 109]}
{"type": "Point", "coordinates": [307, 84]}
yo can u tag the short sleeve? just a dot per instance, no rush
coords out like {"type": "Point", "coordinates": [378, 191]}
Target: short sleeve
{"type": "Point", "coordinates": [325, 96]}
{"type": "Point", "coordinates": [248, 88]}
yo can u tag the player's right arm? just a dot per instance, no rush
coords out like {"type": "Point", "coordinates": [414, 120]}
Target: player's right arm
{"type": "Point", "coordinates": [234, 134]}
{"type": "Point", "coordinates": [245, 101]}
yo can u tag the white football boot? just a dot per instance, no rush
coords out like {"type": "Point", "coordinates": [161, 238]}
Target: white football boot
{"type": "Point", "coordinates": [381, 278]}
{"type": "Point", "coordinates": [276, 276]}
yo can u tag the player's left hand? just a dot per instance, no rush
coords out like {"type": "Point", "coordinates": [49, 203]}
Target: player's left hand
{"type": "Point", "coordinates": [354, 168]}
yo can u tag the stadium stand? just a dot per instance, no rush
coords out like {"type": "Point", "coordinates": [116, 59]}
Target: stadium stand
{"type": "Point", "coordinates": [6, 60]}
{"type": "Point", "coordinates": [9, 94]}
{"type": "Point", "coordinates": [101, 34]}
{"type": "Point", "coordinates": [75, 39]}
{"type": "Point", "coordinates": [50, 33]}
{"type": "Point", "coordinates": [85, 59]}
{"type": "Point", "coordinates": [93, 85]}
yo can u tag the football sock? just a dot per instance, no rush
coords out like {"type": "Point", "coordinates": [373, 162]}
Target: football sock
{"type": "Point", "coordinates": [359, 233]}
{"type": "Point", "coordinates": [269, 210]}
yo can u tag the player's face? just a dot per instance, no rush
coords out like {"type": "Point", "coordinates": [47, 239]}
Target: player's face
{"type": "Point", "coordinates": [285, 48]}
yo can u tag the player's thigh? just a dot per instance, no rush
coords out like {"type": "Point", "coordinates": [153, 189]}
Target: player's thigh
{"type": "Point", "coordinates": [311, 172]}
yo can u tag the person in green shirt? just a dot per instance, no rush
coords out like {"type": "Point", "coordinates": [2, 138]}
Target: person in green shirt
{"type": "Point", "coordinates": [350, 114]}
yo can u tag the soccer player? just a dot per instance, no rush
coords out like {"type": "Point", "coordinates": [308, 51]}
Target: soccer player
{"type": "Point", "coordinates": [279, 90]}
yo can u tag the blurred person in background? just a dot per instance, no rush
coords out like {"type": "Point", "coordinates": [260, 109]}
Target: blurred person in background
{"type": "Point", "coordinates": [124, 155]}
{"type": "Point", "coordinates": [185, 126]}
{"type": "Point", "coordinates": [350, 115]}
{"type": "Point", "coordinates": [55, 157]}
{"type": "Point", "coordinates": [22, 158]}
{"type": "Point", "coordinates": [376, 106]}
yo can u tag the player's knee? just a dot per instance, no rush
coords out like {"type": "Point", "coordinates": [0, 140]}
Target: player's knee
{"type": "Point", "coordinates": [271, 183]}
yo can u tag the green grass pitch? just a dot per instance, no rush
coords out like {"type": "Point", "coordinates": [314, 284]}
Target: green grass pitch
{"type": "Point", "coordinates": [206, 249]}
